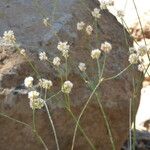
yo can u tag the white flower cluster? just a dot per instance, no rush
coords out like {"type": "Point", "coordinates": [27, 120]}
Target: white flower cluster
{"type": "Point", "coordinates": [106, 47]}
{"type": "Point", "coordinates": [64, 48]}
{"type": "Point", "coordinates": [80, 25]}
{"type": "Point", "coordinates": [95, 54]}
{"type": "Point", "coordinates": [28, 82]}
{"type": "Point", "coordinates": [46, 22]}
{"type": "Point", "coordinates": [139, 55]}
{"type": "Point", "coordinates": [9, 37]}
{"type": "Point", "coordinates": [35, 101]}
{"type": "Point", "coordinates": [8, 40]}
{"type": "Point", "coordinates": [106, 3]}
{"type": "Point", "coordinates": [23, 52]}
{"type": "Point", "coordinates": [132, 50]}
{"type": "Point", "coordinates": [96, 13]}
{"type": "Point", "coordinates": [133, 58]}
{"type": "Point", "coordinates": [45, 84]}
{"type": "Point", "coordinates": [82, 66]}
{"type": "Point", "coordinates": [141, 67]}
{"type": "Point", "coordinates": [88, 28]}
{"type": "Point", "coordinates": [120, 13]}
{"type": "Point", "coordinates": [33, 95]}
{"type": "Point", "coordinates": [43, 56]}
{"type": "Point", "coordinates": [142, 50]}
{"type": "Point", "coordinates": [67, 87]}
{"type": "Point", "coordinates": [56, 61]}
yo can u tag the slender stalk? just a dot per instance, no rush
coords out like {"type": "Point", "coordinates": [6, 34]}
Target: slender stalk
{"type": "Point", "coordinates": [15, 120]}
{"type": "Point", "coordinates": [32, 66]}
{"type": "Point", "coordinates": [69, 102]}
{"type": "Point", "coordinates": [134, 111]}
{"type": "Point", "coordinates": [102, 109]}
{"type": "Point", "coordinates": [117, 75]}
{"type": "Point", "coordinates": [81, 130]}
{"type": "Point", "coordinates": [53, 96]}
{"type": "Point", "coordinates": [98, 66]}
{"type": "Point", "coordinates": [33, 119]}
{"type": "Point", "coordinates": [85, 106]}
{"type": "Point", "coordinates": [54, 11]}
{"type": "Point", "coordinates": [53, 127]}
{"type": "Point", "coordinates": [106, 122]}
{"type": "Point", "coordinates": [25, 124]}
{"type": "Point", "coordinates": [139, 20]}
{"type": "Point", "coordinates": [66, 68]}
{"type": "Point", "coordinates": [124, 31]}
{"type": "Point", "coordinates": [130, 124]}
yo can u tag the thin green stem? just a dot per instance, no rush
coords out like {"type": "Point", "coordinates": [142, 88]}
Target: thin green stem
{"type": "Point", "coordinates": [25, 124]}
{"type": "Point", "coordinates": [54, 11]}
{"type": "Point", "coordinates": [106, 122]}
{"type": "Point", "coordinates": [53, 127]}
{"type": "Point", "coordinates": [66, 68]}
{"type": "Point", "coordinates": [124, 31]}
{"type": "Point", "coordinates": [53, 96]}
{"type": "Point", "coordinates": [33, 119]}
{"type": "Point", "coordinates": [139, 21]}
{"type": "Point", "coordinates": [98, 66]}
{"type": "Point", "coordinates": [69, 102]}
{"type": "Point", "coordinates": [134, 112]}
{"type": "Point", "coordinates": [117, 75]}
{"type": "Point", "coordinates": [32, 66]}
{"type": "Point", "coordinates": [130, 123]}
{"type": "Point", "coordinates": [103, 67]}
{"type": "Point", "coordinates": [81, 130]}
{"type": "Point", "coordinates": [85, 106]}
{"type": "Point", "coordinates": [15, 120]}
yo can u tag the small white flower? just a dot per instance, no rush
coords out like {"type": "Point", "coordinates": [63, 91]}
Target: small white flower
{"type": "Point", "coordinates": [23, 52]}
{"type": "Point", "coordinates": [56, 61]}
{"type": "Point", "coordinates": [9, 37]}
{"type": "Point", "coordinates": [132, 50]}
{"type": "Point", "coordinates": [142, 50]}
{"type": "Point", "coordinates": [110, 2]}
{"type": "Point", "coordinates": [80, 25]}
{"type": "Point", "coordinates": [96, 13]}
{"type": "Point", "coordinates": [95, 54]}
{"type": "Point", "coordinates": [63, 46]}
{"type": "Point", "coordinates": [89, 30]}
{"type": "Point", "coordinates": [43, 56]}
{"type": "Point", "coordinates": [141, 67]}
{"type": "Point", "coordinates": [28, 82]}
{"type": "Point", "coordinates": [65, 53]}
{"type": "Point", "coordinates": [67, 87]}
{"type": "Point", "coordinates": [106, 47]}
{"type": "Point", "coordinates": [36, 103]}
{"type": "Point", "coordinates": [46, 22]}
{"type": "Point", "coordinates": [46, 84]}
{"type": "Point", "coordinates": [120, 13]}
{"type": "Point", "coordinates": [105, 3]}
{"type": "Point", "coordinates": [33, 95]}
{"type": "Point", "coordinates": [82, 66]}
{"type": "Point", "coordinates": [133, 58]}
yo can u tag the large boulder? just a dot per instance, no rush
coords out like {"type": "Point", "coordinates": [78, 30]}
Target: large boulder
{"type": "Point", "coordinates": [24, 18]}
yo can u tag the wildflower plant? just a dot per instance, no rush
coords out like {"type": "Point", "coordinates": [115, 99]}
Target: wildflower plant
{"type": "Point", "coordinates": [38, 90]}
